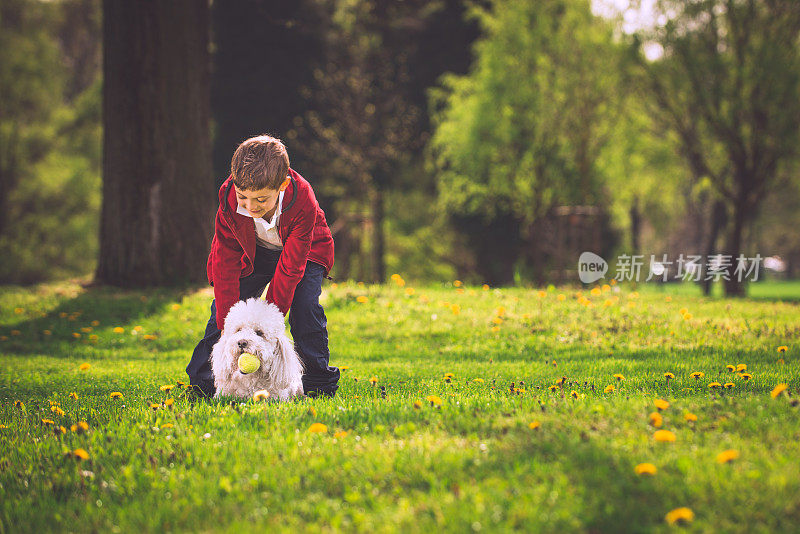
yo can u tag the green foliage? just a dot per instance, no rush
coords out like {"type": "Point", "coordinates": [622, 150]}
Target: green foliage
{"type": "Point", "coordinates": [51, 141]}
{"type": "Point", "coordinates": [473, 461]}
{"type": "Point", "coordinates": [522, 132]}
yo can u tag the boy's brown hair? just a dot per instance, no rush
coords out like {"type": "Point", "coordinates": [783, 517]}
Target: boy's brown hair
{"type": "Point", "coordinates": [260, 162]}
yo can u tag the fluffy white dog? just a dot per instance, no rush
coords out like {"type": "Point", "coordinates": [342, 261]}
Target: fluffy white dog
{"type": "Point", "coordinates": [256, 326]}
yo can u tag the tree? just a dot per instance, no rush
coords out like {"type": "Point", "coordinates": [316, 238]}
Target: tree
{"type": "Point", "coordinates": [523, 131]}
{"type": "Point", "coordinates": [158, 193]}
{"type": "Point", "coordinates": [728, 85]}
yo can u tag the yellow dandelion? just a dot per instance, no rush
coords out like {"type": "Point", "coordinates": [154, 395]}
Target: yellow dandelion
{"type": "Point", "coordinates": [542, 294]}
{"type": "Point", "coordinates": [729, 385]}
{"type": "Point", "coordinates": [116, 395]}
{"type": "Point", "coordinates": [169, 402]}
{"type": "Point", "coordinates": [683, 311]}
{"type": "Point", "coordinates": [619, 377]}
{"type": "Point", "coordinates": [478, 380]}
{"type": "Point", "coordinates": [167, 387]}
{"type": "Point", "coordinates": [714, 385]}
{"type": "Point", "coordinates": [574, 394]}
{"type": "Point", "coordinates": [318, 428]}
{"type": "Point", "coordinates": [501, 311]}
{"type": "Point", "coordinates": [782, 349]}
{"type": "Point", "coordinates": [138, 328]}
{"type": "Point", "coordinates": [155, 407]}
{"type": "Point", "coordinates": [730, 368]}
{"type": "Point", "coordinates": [746, 376]}
{"type": "Point", "coordinates": [48, 422]}
{"type": "Point", "coordinates": [485, 287]}
{"type": "Point", "coordinates": [497, 320]}
{"type": "Point", "coordinates": [362, 299]}
{"type": "Point", "coordinates": [663, 436]}
{"type": "Point", "coordinates": [261, 395]}
{"type": "Point", "coordinates": [742, 367]}
{"type": "Point", "coordinates": [417, 404]}
{"type": "Point", "coordinates": [150, 337]}
{"type": "Point", "coordinates": [534, 425]}
{"type": "Point", "coordinates": [18, 404]}
{"type": "Point", "coordinates": [780, 388]}
{"type": "Point", "coordinates": [312, 411]}
{"type": "Point", "coordinates": [661, 404]}
{"type": "Point", "coordinates": [456, 309]}
{"type": "Point", "coordinates": [656, 420]}
{"type": "Point", "coordinates": [73, 396]}
{"type": "Point", "coordinates": [698, 374]}
{"type": "Point", "coordinates": [687, 316]}
{"type": "Point", "coordinates": [341, 434]}
{"type": "Point", "coordinates": [118, 330]}
{"type": "Point", "coordinates": [679, 515]}
{"type": "Point", "coordinates": [56, 410]}
{"type": "Point", "coordinates": [690, 417]}
{"type": "Point", "coordinates": [80, 454]}
{"type": "Point", "coordinates": [495, 329]}
{"type": "Point", "coordinates": [645, 469]}
{"type": "Point", "coordinates": [94, 337]}
{"type": "Point", "coordinates": [553, 388]}
{"type": "Point", "coordinates": [609, 389]}
{"type": "Point", "coordinates": [458, 283]}
{"type": "Point", "coordinates": [76, 335]}
{"type": "Point", "coordinates": [167, 425]}
{"type": "Point", "coordinates": [434, 400]}
{"type": "Point", "coordinates": [86, 329]}
{"type": "Point", "coordinates": [595, 291]}
{"type": "Point", "coordinates": [727, 456]}
{"type": "Point", "coordinates": [561, 297]}
{"type": "Point", "coordinates": [449, 375]}
{"type": "Point", "coordinates": [668, 299]}
{"type": "Point", "coordinates": [409, 291]}
{"type": "Point", "coordinates": [669, 376]}
{"type": "Point", "coordinates": [373, 380]}
{"type": "Point", "coordinates": [84, 366]}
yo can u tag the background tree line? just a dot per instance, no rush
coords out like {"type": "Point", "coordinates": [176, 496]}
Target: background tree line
{"type": "Point", "coordinates": [490, 141]}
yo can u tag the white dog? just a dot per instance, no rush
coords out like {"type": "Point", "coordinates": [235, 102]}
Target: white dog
{"type": "Point", "coordinates": [256, 326]}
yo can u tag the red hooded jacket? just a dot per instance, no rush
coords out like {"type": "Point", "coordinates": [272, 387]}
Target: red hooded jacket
{"type": "Point", "coordinates": [302, 228]}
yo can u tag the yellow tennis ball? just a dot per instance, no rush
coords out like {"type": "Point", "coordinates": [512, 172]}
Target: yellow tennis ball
{"type": "Point", "coordinates": [248, 363]}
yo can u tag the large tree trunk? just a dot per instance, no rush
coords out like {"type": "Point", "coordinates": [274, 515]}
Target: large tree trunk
{"type": "Point", "coordinates": [717, 223]}
{"type": "Point", "coordinates": [158, 194]}
{"type": "Point", "coordinates": [733, 287]}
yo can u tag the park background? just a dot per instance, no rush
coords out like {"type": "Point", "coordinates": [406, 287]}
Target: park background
{"type": "Point", "coordinates": [487, 141]}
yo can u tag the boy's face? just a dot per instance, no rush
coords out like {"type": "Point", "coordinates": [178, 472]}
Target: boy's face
{"type": "Point", "coordinates": [259, 203]}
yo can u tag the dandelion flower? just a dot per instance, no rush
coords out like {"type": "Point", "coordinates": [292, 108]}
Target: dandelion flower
{"type": "Point", "coordinates": [730, 368]}
{"type": "Point", "coordinates": [553, 388]}
{"type": "Point", "coordinates": [119, 330]}
{"type": "Point", "coordinates": [341, 434]}
{"type": "Point", "coordinates": [261, 395]}
{"type": "Point", "coordinates": [669, 376]}
{"type": "Point", "coordinates": [318, 428]}
{"type": "Point", "coordinates": [656, 420]}
{"type": "Point", "coordinates": [683, 311]}
{"type": "Point", "coordinates": [497, 320]}
{"type": "Point", "coordinates": [175, 307]}
{"type": "Point", "coordinates": [780, 388]}
{"type": "Point", "coordinates": [76, 335]}
{"type": "Point", "coordinates": [434, 400]}
{"type": "Point", "coordinates": [561, 297]}
{"type": "Point", "coordinates": [56, 410]}
{"type": "Point", "coordinates": [417, 405]}
{"type": "Point", "coordinates": [478, 380]}
{"type": "Point", "coordinates": [48, 422]}
{"type": "Point", "coordinates": [373, 380]}
{"type": "Point", "coordinates": [80, 454]}
{"type": "Point", "coordinates": [573, 393]}
{"type": "Point", "coordinates": [534, 425]}
{"type": "Point", "coordinates": [729, 385]}
{"type": "Point", "coordinates": [458, 283]}
{"type": "Point", "coordinates": [664, 436]}
{"type": "Point", "coordinates": [155, 407]}
{"type": "Point", "coordinates": [690, 417]}
{"type": "Point", "coordinates": [609, 389]}
{"type": "Point", "coordinates": [167, 387]}
{"type": "Point", "coordinates": [619, 377]}
{"type": "Point", "coordinates": [84, 366]}
{"type": "Point", "coordinates": [409, 291]}
{"type": "Point", "coordinates": [782, 349]}
{"type": "Point", "coordinates": [169, 402]}
{"type": "Point", "coordinates": [361, 298]}
{"type": "Point", "coordinates": [727, 456]}
{"type": "Point", "coordinates": [645, 469]}
{"type": "Point", "coordinates": [456, 309]}
{"type": "Point", "coordinates": [661, 404]}
{"type": "Point", "coordinates": [713, 385]}
{"type": "Point", "coordinates": [19, 405]}
{"type": "Point", "coordinates": [167, 425]}
{"type": "Point", "coordinates": [741, 367]}
{"type": "Point", "coordinates": [449, 375]}
{"type": "Point", "coordinates": [746, 376]}
{"type": "Point", "coordinates": [116, 395]}
{"type": "Point", "coordinates": [485, 287]}
{"type": "Point", "coordinates": [495, 329]}
{"type": "Point", "coordinates": [687, 316]}
{"type": "Point", "coordinates": [680, 515]}
{"type": "Point", "coordinates": [698, 374]}
{"type": "Point", "coordinates": [542, 294]}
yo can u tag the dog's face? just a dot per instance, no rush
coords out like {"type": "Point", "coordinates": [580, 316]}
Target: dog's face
{"type": "Point", "coordinates": [257, 328]}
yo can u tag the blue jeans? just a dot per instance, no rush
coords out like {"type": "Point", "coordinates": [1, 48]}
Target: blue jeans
{"type": "Point", "coordinates": [307, 323]}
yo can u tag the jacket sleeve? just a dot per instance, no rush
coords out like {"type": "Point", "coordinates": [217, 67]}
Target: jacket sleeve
{"type": "Point", "coordinates": [226, 257]}
{"type": "Point", "coordinates": [292, 262]}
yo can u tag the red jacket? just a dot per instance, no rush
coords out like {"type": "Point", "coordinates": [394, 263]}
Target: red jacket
{"type": "Point", "coordinates": [302, 229]}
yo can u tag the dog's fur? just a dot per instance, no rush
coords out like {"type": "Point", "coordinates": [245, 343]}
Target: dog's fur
{"type": "Point", "coordinates": [256, 326]}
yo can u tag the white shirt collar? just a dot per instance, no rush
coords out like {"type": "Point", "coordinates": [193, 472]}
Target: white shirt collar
{"type": "Point", "coordinates": [267, 224]}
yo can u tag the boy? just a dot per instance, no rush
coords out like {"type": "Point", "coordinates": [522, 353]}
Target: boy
{"type": "Point", "coordinates": [269, 227]}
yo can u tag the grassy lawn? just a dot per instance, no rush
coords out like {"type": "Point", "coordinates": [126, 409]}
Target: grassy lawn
{"type": "Point", "coordinates": [492, 449]}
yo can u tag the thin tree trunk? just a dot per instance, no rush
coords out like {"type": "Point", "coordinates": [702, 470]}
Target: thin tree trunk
{"type": "Point", "coordinates": [158, 194]}
{"type": "Point", "coordinates": [378, 248]}
{"type": "Point", "coordinates": [718, 220]}
{"type": "Point", "coordinates": [734, 288]}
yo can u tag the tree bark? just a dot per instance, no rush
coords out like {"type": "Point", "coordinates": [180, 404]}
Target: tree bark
{"type": "Point", "coordinates": [158, 193]}
{"type": "Point", "coordinates": [734, 288]}
{"type": "Point", "coordinates": [717, 223]}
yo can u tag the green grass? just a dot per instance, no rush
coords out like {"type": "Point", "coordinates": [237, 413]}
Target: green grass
{"type": "Point", "coordinates": [471, 464]}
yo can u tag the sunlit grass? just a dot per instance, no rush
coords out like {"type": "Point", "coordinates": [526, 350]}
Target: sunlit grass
{"type": "Point", "coordinates": [461, 408]}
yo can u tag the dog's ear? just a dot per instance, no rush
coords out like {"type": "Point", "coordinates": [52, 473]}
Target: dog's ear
{"type": "Point", "coordinates": [289, 363]}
